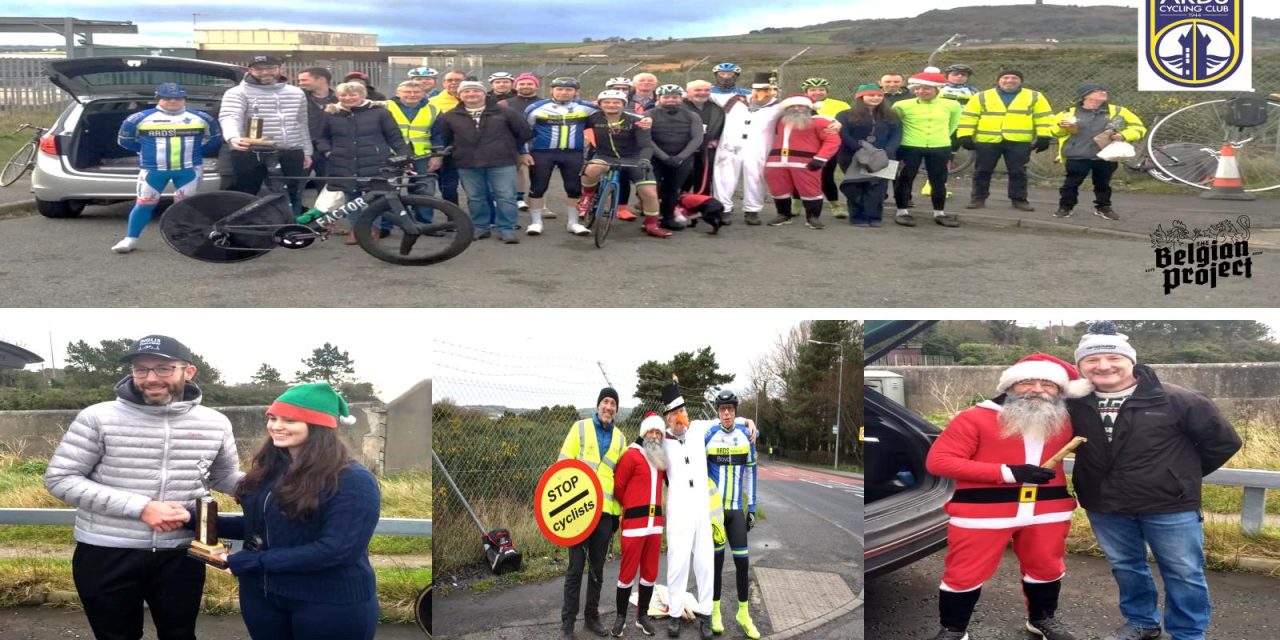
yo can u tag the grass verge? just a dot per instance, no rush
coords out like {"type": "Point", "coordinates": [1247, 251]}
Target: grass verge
{"type": "Point", "coordinates": [11, 120]}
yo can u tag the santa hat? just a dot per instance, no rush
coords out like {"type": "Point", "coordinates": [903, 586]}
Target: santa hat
{"type": "Point", "coordinates": [1103, 337]}
{"type": "Point", "coordinates": [927, 79]}
{"type": "Point", "coordinates": [652, 422]}
{"type": "Point", "coordinates": [671, 398]}
{"type": "Point", "coordinates": [797, 100]}
{"type": "Point", "coordinates": [1042, 366]}
{"type": "Point", "coordinates": [316, 403]}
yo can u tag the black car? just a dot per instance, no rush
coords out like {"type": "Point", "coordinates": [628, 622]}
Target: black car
{"type": "Point", "coordinates": [904, 517]}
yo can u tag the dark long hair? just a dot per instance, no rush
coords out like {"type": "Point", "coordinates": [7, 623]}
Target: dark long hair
{"type": "Point", "coordinates": [307, 479]}
{"type": "Point", "coordinates": [862, 113]}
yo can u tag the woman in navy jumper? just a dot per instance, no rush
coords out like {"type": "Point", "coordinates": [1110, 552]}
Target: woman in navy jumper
{"type": "Point", "coordinates": [870, 118]}
{"type": "Point", "coordinates": [309, 512]}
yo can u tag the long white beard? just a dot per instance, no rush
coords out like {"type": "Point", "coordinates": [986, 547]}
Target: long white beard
{"type": "Point", "coordinates": [798, 120]}
{"type": "Point", "coordinates": [654, 453]}
{"type": "Point", "coordinates": [1023, 416]}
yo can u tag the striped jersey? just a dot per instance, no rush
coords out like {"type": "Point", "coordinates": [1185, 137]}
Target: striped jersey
{"type": "Point", "coordinates": [731, 464]}
{"type": "Point", "coordinates": [170, 141]}
{"type": "Point", "coordinates": [558, 126]}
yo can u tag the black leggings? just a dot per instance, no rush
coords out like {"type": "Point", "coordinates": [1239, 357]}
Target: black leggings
{"type": "Point", "coordinates": [829, 188]}
{"type": "Point", "coordinates": [670, 181]}
{"type": "Point", "coordinates": [545, 162]}
{"type": "Point", "coordinates": [935, 163]}
{"type": "Point", "coordinates": [249, 171]}
{"type": "Point", "coordinates": [735, 528]}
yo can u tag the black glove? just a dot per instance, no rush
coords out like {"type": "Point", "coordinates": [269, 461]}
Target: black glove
{"type": "Point", "coordinates": [815, 164]}
{"type": "Point", "coordinates": [645, 165]}
{"type": "Point", "coordinates": [1042, 143]}
{"type": "Point", "coordinates": [751, 520]}
{"type": "Point", "coordinates": [966, 142]}
{"type": "Point", "coordinates": [1031, 473]}
{"type": "Point", "coordinates": [674, 161]}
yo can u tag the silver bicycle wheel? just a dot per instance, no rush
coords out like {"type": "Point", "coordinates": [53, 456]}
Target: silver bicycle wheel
{"type": "Point", "coordinates": [1186, 146]}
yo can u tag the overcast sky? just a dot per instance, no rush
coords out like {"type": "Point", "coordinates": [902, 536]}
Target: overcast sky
{"type": "Point", "coordinates": [537, 357]}
{"type": "Point", "coordinates": [165, 23]}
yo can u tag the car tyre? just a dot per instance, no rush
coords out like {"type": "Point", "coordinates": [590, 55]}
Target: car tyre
{"type": "Point", "coordinates": [60, 208]}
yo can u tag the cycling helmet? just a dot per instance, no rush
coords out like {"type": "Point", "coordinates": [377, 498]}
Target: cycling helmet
{"type": "Point", "coordinates": [356, 75]}
{"type": "Point", "coordinates": [620, 80]}
{"type": "Point", "coordinates": [726, 397]}
{"type": "Point", "coordinates": [501, 75]}
{"type": "Point", "coordinates": [612, 94]}
{"type": "Point", "coordinates": [669, 90]}
{"type": "Point", "coordinates": [816, 82]}
{"type": "Point", "coordinates": [728, 66]}
{"type": "Point", "coordinates": [961, 68]}
{"type": "Point", "coordinates": [423, 72]}
{"type": "Point", "coordinates": [566, 82]}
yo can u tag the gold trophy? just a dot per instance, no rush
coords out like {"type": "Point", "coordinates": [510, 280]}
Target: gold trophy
{"type": "Point", "coordinates": [206, 547]}
{"type": "Point", "coordinates": [253, 130]}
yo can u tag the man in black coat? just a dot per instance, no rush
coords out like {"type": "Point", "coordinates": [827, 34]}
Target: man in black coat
{"type": "Point", "coordinates": [1139, 478]}
{"type": "Point", "coordinates": [486, 139]}
{"type": "Point", "coordinates": [677, 135]}
{"type": "Point", "coordinates": [698, 99]}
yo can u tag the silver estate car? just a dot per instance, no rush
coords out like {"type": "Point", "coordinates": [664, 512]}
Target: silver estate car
{"type": "Point", "coordinates": [80, 161]}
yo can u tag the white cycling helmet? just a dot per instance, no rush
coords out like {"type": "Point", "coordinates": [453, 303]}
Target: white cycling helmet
{"type": "Point", "coordinates": [612, 94]}
{"type": "Point", "coordinates": [501, 75]}
{"type": "Point", "coordinates": [613, 82]}
{"type": "Point", "coordinates": [669, 90]}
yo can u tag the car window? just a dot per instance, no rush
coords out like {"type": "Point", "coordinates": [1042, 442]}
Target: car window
{"type": "Point", "coordinates": [150, 78]}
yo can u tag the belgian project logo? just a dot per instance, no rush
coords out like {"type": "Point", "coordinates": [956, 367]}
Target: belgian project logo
{"type": "Point", "coordinates": [1202, 256]}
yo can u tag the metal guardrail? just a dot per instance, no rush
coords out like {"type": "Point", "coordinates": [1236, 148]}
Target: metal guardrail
{"type": "Point", "coordinates": [1255, 483]}
{"type": "Point", "coordinates": [67, 517]}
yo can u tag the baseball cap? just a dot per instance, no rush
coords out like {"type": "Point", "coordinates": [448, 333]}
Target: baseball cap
{"type": "Point", "coordinates": [267, 59]}
{"type": "Point", "coordinates": [155, 345]}
{"type": "Point", "coordinates": [170, 90]}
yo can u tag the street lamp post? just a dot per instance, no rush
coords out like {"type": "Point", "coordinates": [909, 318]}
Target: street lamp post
{"type": "Point", "coordinates": [839, 395]}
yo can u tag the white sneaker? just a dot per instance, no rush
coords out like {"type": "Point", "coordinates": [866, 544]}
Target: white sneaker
{"type": "Point", "coordinates": [578, 230]}
{"type": "Point", "coordinates": [534, 229]}
{"type": "Point", "coordinates": [125, 246]}
{"type": "Point", "coordinates": [522, 205]}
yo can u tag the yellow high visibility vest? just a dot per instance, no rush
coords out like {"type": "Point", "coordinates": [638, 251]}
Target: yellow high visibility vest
{"type": "Point", "coordinates": [418, 131]}
{"type": "Point", "coordinates": [986, 118]}
{"type": "Point", "coordinates": [581, 444]}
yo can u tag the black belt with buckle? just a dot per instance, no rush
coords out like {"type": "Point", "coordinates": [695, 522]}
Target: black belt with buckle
{"type": "Point", "coordinates": [996, 495]}
{"type": "Point", "coordinates": [643, 511]}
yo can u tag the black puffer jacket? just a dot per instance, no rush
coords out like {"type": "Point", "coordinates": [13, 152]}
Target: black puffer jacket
{"type": "Point", "coordinates": [1166, 439]}
{"type": "Point", "coordinates": [359, 140]}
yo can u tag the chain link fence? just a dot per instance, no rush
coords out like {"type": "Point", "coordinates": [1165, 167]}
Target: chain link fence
{"type": "Point", "coordinates": [498, 422]}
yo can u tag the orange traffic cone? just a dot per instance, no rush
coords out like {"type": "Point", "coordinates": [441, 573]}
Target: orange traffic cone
{"type": "Point", "coordinates": [1226, 182]}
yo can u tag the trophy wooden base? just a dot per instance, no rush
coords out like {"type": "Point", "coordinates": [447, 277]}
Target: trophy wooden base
{"type": "Point", "coordinates": [208, 554]}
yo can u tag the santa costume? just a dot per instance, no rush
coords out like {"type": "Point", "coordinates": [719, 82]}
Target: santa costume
{"type": "Point", "coordinates": [637, 484]}
{"type": "Point", "coordinates": [990, 507]}
{"type": "Point", "coordinates": [790, 168]}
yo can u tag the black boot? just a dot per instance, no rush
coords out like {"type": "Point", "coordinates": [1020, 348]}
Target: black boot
{"type": "Point", "coordinates": [955, 609]}
{"type": "Point", "coordinates": [673, 627]}
{"type": "Point", "coordinates": [704, 626]}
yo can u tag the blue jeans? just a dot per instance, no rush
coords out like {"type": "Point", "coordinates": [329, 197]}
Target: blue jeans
{"type": "Point", "coordinates": [1177, 542]}
{"type": "Point", "coordinates": [491, 184]}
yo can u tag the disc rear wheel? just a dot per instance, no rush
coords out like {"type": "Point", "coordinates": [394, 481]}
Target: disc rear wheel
{"type": "Point", "coordinates": [202, 226]}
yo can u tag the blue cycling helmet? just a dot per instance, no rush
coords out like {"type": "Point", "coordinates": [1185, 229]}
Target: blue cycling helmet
{"type": "Point", "coordinates": [728, 66]}
{"type": "Point", "coordinates": [423, 72]}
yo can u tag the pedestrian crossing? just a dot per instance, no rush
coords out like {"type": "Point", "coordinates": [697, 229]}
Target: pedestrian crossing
{"type": "Point", "coordinates": [855, 489]}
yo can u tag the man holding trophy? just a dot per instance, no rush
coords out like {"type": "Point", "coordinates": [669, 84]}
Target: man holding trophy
{"type": "Point", "coordinates": [130, 467]}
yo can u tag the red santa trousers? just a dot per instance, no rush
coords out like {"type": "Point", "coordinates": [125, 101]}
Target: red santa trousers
{"type": "Point", "coordinates": [639, 556]}
{"type": "Point", "coordinates": [973, 555]}
{"type": "Point", "coordinates": [784, 181]}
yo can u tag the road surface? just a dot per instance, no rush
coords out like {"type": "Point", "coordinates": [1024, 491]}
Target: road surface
{"type": "Point", "coordinates": [48, 623]}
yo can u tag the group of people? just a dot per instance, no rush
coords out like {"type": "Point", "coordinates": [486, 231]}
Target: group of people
{"type": "Point", "coordinates": [708, 469]}
{"type": "Point", "coordinates": [1138, 477]}
{"type": "Point", "coordinates": [684, 150]}
{"type": "Point", "coordinates": [132, 469]}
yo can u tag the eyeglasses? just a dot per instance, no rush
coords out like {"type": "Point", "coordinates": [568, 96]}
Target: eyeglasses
{"type": "Point", "coordinates": [163, 371]}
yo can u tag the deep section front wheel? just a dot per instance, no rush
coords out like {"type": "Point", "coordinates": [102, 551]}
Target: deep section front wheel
{"type": "Point", "coordinates": [400, 237]}
{"type": "Point", "coordinates": [220, 226]}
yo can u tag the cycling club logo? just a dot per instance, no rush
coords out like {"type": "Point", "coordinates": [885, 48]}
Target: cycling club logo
{"type": "Point", "coordinates": [1202, 256]}
{"type": "Point", "coordinates": [1194, 44]}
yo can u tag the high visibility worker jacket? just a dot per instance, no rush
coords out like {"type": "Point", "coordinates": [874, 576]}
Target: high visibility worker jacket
{"type": "Point", "coordinates": [416, 132]}
{"type": "Point", "coordinates": [581, 444]}
{"type": "Point", "coordinates": [986, 119]}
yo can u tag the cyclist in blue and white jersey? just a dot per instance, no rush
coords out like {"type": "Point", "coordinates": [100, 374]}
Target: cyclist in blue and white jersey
{"type": "Point", "coordinates": [559, 124]}
{"type": "Point", "coordinates": [171, 142]}
{"type": "Point", "coordinates": [726, 78]}
{"type": "Point", "coordinates": [731, 464]}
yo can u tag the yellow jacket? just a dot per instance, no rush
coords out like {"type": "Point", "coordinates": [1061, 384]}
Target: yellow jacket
{"type": "Point", "coordinates": [418, 131]}
{"type": "Point", "coordinates": [831, 107]}
{"type": "Point", "coordinates": [985, 117]}
{"type": "Point", "coordinates": [581, 444]}
{"type": "Point", "coordinates": [444, 101]}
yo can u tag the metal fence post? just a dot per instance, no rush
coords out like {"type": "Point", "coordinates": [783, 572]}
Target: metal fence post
{"type": "Point", "coordinates": [688, 71]}
{"type": "Point", "coordinates": [1253, 511]}
{"type": "Point", "coordinates": [782, 67]}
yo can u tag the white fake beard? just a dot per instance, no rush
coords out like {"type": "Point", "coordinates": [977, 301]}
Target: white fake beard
{"type": "Point", "coordinates": [653, 452]}
{"type": "Point", "coordinates": [1026, 417]}
{"type": "Point", "coordinates": [797, 119]}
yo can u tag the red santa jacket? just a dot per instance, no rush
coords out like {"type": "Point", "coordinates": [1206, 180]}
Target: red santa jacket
{"type": "Point", "coordinates": [972, 451]}
{"type": "Point", "coordinates": [794, 148]}
{"type": "Point", "coordinates": [638, 487]}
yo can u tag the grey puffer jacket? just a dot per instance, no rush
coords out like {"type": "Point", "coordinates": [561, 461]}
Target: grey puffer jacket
{"type": "Point", "coordinates": [282, 107]}
{"type": "Point", "coordinates": [117, 456]}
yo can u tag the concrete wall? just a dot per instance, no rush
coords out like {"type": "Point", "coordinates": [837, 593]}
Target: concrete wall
{"type": "Point", "coordinates": [37, 433]}
{"type": "Point", "coordinates": [408, 433]}
{"type": "Point", "coordinates": [1237, 388]}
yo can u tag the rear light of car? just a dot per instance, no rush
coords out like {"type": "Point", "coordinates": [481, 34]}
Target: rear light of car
{"type": "Point", "coordinates": [49, 144]}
